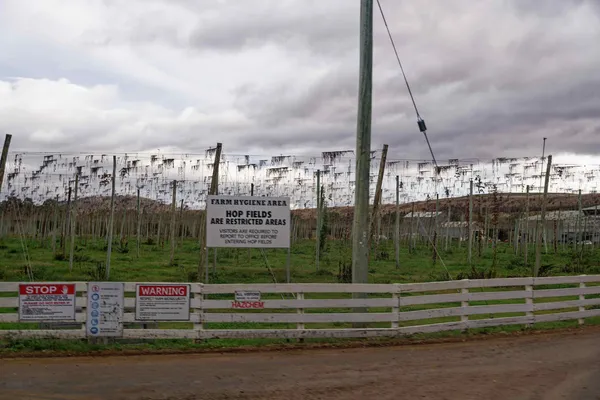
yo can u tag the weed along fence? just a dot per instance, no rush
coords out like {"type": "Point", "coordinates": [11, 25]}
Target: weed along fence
{"type": "Point", "coordinates": [198, 311]}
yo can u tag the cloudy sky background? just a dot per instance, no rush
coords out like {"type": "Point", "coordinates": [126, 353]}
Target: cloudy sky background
{"type": "Point", "coordinates": [491, 77]}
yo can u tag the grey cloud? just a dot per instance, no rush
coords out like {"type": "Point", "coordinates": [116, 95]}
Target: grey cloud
{"type": "Point", "coordinates": [481, 94]}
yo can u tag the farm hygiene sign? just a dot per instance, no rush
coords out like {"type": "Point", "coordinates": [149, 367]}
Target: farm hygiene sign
{"type": "Point", "coordinates": [105, 309]}
{"type": "Point", "coordinates": [162, 302]}
{"type": "Point", "coordinates": [47, 302]}
{"type": "Point", "coordinates": [247, 299]}
{"type": "Point", "coordinates": [244, 221]}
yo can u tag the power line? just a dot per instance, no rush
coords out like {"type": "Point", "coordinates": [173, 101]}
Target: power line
{"type": "Point", "coordinates": [420, 121]}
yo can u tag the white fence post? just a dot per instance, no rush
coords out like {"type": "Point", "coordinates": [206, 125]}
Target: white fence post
{"type": "Point", "coordinates": [464, 304]}
{"type": "Point", "coordinates": [396, 307]}
{"type": "Point", "coordinates": [299, 310]}
{"type": "Point", "coordinates": [581, 321]}
{"type": "Point", "coordinates": [83, 294]}
{"type": "Point", "coordinates": [529, 302]}
{"type": "Point", "coordinates": [199, 326]}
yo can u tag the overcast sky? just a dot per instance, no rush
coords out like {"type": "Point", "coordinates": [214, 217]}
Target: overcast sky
{"type": "Point", "coordinates": [490, 77]}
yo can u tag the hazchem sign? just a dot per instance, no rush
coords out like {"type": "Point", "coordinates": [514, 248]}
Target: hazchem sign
{"type": "Point", "coordinates": [247, 299]}
{"type": "Point", "coordinates": [105, 309]}
{"type": "Point", "coordinates": [239, 221]}
{"type": "Point", "coordinates": [162, 302]}
{"type": "Point", "coordinates": [47, 302]}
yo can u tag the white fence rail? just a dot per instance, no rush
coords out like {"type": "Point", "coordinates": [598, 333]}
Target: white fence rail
{"type": "Point", "coordinates": [328, 310]}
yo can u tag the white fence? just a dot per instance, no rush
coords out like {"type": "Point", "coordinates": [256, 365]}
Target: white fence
{"type": "Point", "coordinates": [328, 310]}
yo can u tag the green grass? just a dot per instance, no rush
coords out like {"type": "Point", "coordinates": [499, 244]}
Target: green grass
{"type": "Point", "coordinates": [246, 266]}
{"type": "Point", "coordinates": [250, 266]}
{"type": "Point", "coordinates": [53, 347]}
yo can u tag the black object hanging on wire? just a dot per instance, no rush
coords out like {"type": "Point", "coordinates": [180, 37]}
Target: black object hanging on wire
{"type": "Point", "coordinates": [420, 120]}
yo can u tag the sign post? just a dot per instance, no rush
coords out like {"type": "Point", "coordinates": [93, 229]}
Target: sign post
{"type": "Point", "coordinates": [249, 222]}
{"type": "Point", "coordinates": [105, 306]}
{"type": "Point", "coordinates": [47, 302]}
{"type": "Point", "coordinates": [162, 302]}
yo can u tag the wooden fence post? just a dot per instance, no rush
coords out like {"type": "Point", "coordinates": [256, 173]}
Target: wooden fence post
{"type": "Point", "coordinates": [199, 326]}
{"type": "Point", "coordinates": [396, 308]}
{"type": "Point", "coordinates": [464, 304]}
{"type": "Point", "coordinates": [529, 302]}
{"type": "Point", "coordinates": [581, 321]}
{"type": "Point", "coordinates": [300, 311]}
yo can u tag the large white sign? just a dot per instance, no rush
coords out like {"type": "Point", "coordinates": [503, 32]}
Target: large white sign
{"type": "Point", "coordinates": [105, 309]}
{"type": "Point", "coordinates": [162, 302]}
{"type": "Point", "coordinates": [47, 302]}
{"type": "Point", "coordinates": [241, 221]}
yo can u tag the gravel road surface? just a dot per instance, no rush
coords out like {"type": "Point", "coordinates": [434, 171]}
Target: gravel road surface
{"type": "Point", "coordinates": [564, 365]}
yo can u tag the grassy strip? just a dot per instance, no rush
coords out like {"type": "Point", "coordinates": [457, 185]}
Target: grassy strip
{"type": "Point", "coordinates": [61, 348]}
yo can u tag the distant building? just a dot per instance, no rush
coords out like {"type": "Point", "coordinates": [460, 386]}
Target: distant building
{"type": "Point", "coordinates": [565, 226]}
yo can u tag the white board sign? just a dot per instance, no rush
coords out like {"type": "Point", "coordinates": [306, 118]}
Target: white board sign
{"type": "Point", "coordinates": [252, 222]}
{"type": "Point", "coordinates": [162, 302]}
{"type": "Point", "coordinates": [244, 295]}
{"type": "Point", "coordinates": [47, 302]}
{"type": "Point", "coordinates": [105, 309]}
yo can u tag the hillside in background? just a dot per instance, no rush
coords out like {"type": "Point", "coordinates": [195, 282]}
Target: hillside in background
{"type": "Point", "coordinates": [507, 203]}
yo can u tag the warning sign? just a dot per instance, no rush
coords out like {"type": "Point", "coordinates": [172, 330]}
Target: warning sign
{"type": "Point", "coordinates": [47, 302]}
{"type": "Point", "coordinates": [243, 221]}
{"type": "Point", "coordinates": [162, 302]}
{"type": "Point", "coordinates": [247, 299]}
{"type": "Point", "coordinates": [105, 309]}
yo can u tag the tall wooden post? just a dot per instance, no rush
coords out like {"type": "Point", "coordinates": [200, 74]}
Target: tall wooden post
{"type": "Point", "coordinates": [526, 247]}
{"type": "Point", "coordinates": [448, 226]}
{"type": "Point", "coordinates": [578, 222]}
{"type": "Point", "coordinates": [318, 230]}
{"type": "Point", "coordinates": [377, 200]}
{"type": "Point", "coordinates": [173, 221]}
{"type": "Point", "coordinates": [3, 158]}
{"type": "Point", "coordinates": [111, 218]}
{"type": "Point", "coordinates": [360, 231]}
{"type": "Point", "coordinates": [214, 189]}
{"type": "Point", "coordinates": [73, 223]}
{"type": "Point", "coordinates": [411, 241]}
{"type": "Point", "coordinates": [542, 220]}
{"type": "Point", "coordinates": [67, 225]}
{"type": "Point", "coordinates": [139, 224]}
{"type": "Point", "coordinates": [470, 254]}
{"type": "Point", "coordinates": [397, 222]}
{"type": "Point", "coordinates": [54, 226]}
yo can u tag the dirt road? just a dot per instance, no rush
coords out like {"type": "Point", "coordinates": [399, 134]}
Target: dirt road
{"type": "Point", "coordinates": [549, 366]}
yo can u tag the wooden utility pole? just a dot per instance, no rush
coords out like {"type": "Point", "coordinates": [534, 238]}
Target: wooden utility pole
{"type": "Point", "coordinates": [542, 220]}
{"type": "Point", "coordinates": [4, 157]}
{"type": "Point", "coordinates": [73, 223]}
{"type": "Point", "coordinates": [111, 218]}
{"type": "Point", "coordinates": [318, 230]}
{"type": "Point", "coordinates": [214, 189]}
{"type": "Point", "coordinates": [397, 222]}
{"type": "Point", "coordinates": [360, 226]}
{"type": "Point", "coordinates": [377, 200]}
{"type": "Point", "coordinates": [470, 254]}
{"type": "Point", "coordinates": [173, 221]}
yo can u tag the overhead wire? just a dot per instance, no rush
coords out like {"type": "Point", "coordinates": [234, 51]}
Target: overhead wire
{"type": "Point", "coordinates": [420, 120]}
